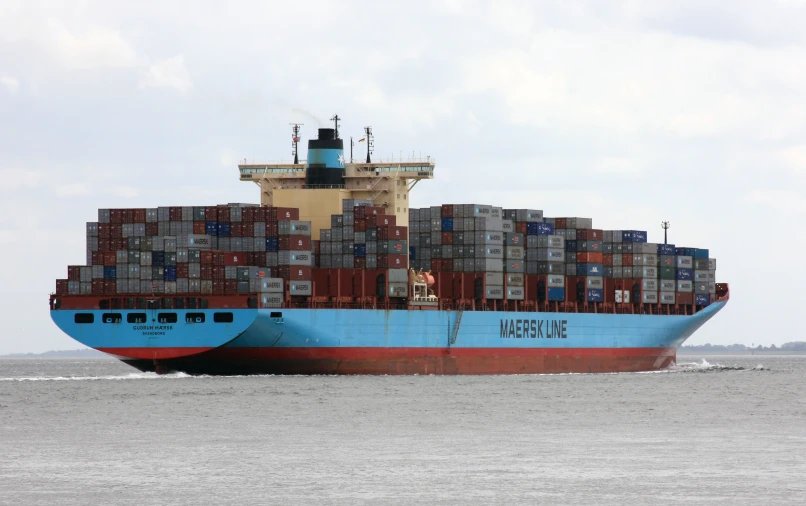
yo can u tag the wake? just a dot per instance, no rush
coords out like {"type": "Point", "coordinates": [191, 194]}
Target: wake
{"type": "Point", "coordinates": [124, 377]}
{"type": "Point", "coordinates": [705, 366]}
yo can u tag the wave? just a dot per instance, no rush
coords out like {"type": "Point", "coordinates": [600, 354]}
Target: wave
{"type": "Point", "coordinates": [131, 376]}
{"type": "Point", "coordinates": [706, 366]}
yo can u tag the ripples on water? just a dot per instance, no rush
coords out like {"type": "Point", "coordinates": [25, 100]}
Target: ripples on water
{"type": "Point", "coordinates": [721, 429]}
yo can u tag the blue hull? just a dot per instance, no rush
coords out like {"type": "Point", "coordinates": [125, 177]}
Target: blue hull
{"type": "Point", "coordinates": [353, 341]}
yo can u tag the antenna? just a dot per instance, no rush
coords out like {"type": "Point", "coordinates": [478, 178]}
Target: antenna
{"type": "Point", "coordinates": [295, 141]}
{"type": "Point", "coordinates": [370, 142]}
{"type": "Point", "coordinates": [335, 119]}
{"type": "Point", "coordinates": [666, 225]}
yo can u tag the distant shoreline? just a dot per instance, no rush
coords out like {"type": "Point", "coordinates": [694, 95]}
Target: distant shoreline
{"type": "Point", "coordinates": [58, 354]}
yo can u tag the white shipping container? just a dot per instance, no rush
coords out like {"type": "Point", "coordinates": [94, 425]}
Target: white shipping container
{"type": "Point", "coordinates": [685, 286]}
{"type": "Point", "coordinates": [493, 278]}
{"type": "Point", "coordinates": [515, 279]}
{"type": "Point", "coordinates": [271, 300]}
{"type": "Point", "coordinates": [514, 253]}
{"type": "Point", "coordinates": [649, 297]}
{"type": "Point", "coordinates": [398, 276]}
{"type": "Point", "coordinates": [649, 285]}
{"type": "Point", "coordinates": [495, 292]}
{"type": "Point", "coordinates": [515, 293]}
{"type": "Point", "coordinates": [667, 297]}
{"type": "Point", "coordinates": [700, 276]}
{"type": "Point", "coordinates": [712, 264]}
{"type": "Point", "coordinates": [668, 285]}
{"type": "Point", "coordinates": [555, 281]}
{"type": "Point", "coordinates": [398, 290]}
{"type": "Point", "coordinates": [684, 262]}
{"type": "Point", "coordinates": [300, 228]}
{"type": "Point", "coordinates": [594, 282]}
{"type": "Point", "coordinates": [271, 285]}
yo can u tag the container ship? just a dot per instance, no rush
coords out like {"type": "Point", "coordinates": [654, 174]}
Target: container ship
{"type": "Point", "coordinates": [333, 273]}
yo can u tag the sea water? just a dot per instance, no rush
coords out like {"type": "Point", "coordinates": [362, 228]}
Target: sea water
{"type": "Point", "coordinates": [719, 430]}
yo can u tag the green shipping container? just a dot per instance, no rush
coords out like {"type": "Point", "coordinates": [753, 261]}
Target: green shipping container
{"type": "Point", "coordinates": [667, 273]}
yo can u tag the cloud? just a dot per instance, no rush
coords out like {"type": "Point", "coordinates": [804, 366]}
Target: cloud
{"type": "Point", "coordinates": [170, 73]}
{"type": "Point", "coordinates": [782, 202]}
{"type": "Point", "coordinates": [93, 47]}
{"type": "Point", "coordinates": [122, 191]}
{"type": "Point", "coordinates": [794, 157]}
{"type": "Point", "coordinates": [18, 179]}
{"type": "Point", "coordinates": [70, 190]}
{"type": "Point", "coordinates": [11, 84]}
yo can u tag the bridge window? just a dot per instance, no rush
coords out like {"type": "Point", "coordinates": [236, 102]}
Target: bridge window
{"type": "Point", "coordinates": [136, 318]}
{"type": "Point", "coordinates": [275, 314]}
{"type": "Point", "coordinates": [166, 317]}
{"type": "Point", "coordinates": [112, 318]}
{"type": "Point", "coordinates": [84, 318]}
{"type": "Point", "coordinates": [222, 317]}
{"type": "Point", "coordinates": [194, 318]}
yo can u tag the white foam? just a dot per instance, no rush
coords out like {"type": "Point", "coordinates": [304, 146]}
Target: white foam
{"type": "Point", "coordinates": [131, 376]}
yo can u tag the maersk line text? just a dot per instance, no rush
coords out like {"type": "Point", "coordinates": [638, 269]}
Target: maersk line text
{"type": "Point", "coordinates": [543, 329]}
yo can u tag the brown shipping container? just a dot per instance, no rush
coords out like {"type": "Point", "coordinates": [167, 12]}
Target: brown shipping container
{"type": "Point", "coordinates": [73, 272]}
{"type": "Point", "coordinates": [296, 272]}
{"type": "Point", "coordinates": [61, 287]}
{"type": "Point", "coordinates": [294, 243]}
{"type": "Point", "coordinates": [152, 229]}
{"type": "Point", "coordinates": [139, 215]}
{"type": "Point", "coordinates": [560, 223]}
{"type": "Point", "coordinates": [175, 213]}
{"type": "Point", "coordinates": [587, 234]}
{"type": "Point", "coordinates": [182, 270]}
{"type": "Point", "coordinates": [393, 232]}
{"type": "Point", "coordinates": [284, 214]}
{"type": "Point", "coordinates": [520, 227]}
{"type": "Point", "coordinates": [591, 257]}
{"type": "Point", "coordinates": [686, 298]}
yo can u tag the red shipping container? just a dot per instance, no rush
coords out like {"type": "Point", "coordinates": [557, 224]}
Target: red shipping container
{"type": "Point", "coordinates": [199, 227]}
{"type": "Point", "coordinates": [686, 298]}
{"type": "Point", "coordinates": [447, 238]}
{"type": "Point", "coordinates": [97, 286]}
{"type": "Point", "coordinates": [61, 287]}
{"type": "Point", "coordinates": [447, 211]}
{"type": "Point", "coordinates": [152, 229]}
{"type": "Point", "coordinates": [520, 227]}
{"type": "Point", "coordinates": [296, 272]}
{"type": "Point", "coordinates": [294, 243]}
{"type": "Point", "coordinates": [73, 272]}
{"type": "Point", "coordinates": [393, 261]}
{"type": "Point", "coordinates": [219, 287]}
{"type": "Point", "coordinates": [626, 260]}
{"type": "Point", "coordinates": [116, 216]}
{"type": "Point", "coordinates": [386, 232]}
{"type": "Point", "coordinates": [139, 215]}
{"type": "Point", "coordinates": [206, 272]}
{"type": "Point", "coordinates": [116, 231]}
{"type": "Point", "coordinates": [175, 213]}
{"type": "Point", "coordinates": [592, 257]}
{"type": "Point", "coordinates": [110, 287]}
{"type": "Point", "coordinates": [360, 262]}
{"type": "Point", "coordinates": [119, 243]}
{"type": "Point", "coordinates": [271, 229]}
{"type": "Point", "coordinates": [219, 272]}
{"type": "Point", "coordinates": [607, 259]}
{"type": "Point", "coordinates": [206, 257]}
{"type": "Point", "coordinates": [181, 270]}
{"type": "Point", "coordinates": [234, 258]}
{"type": "Point", "coordinates": [321, 282]}
{"type": "Point", "coordinates": [585, 234]}
{"type": "Point", "coordinates": [360, 226]}
{"type": "Point", "coordinates": [211, 214]}
{"type": "Point", "coordinates": [104, 230]}
{"type": "Point", "coordinates": [283, 213]}
{"type": "Point", "coordinates": [230, 287]}
{"type": "Point", "coordinates": [560, 223]}
{"type": "Point", "coordinates": [97, 258]}
{"type": "Point", "coordinates": [223, 214]}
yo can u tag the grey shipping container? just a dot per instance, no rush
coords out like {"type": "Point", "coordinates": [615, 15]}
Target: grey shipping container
{"type": "Point", "coordinates": [515, 293]}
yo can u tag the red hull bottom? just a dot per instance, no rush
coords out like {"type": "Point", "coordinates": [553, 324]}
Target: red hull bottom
{"type": "Point", "coordinates": [409, 361]}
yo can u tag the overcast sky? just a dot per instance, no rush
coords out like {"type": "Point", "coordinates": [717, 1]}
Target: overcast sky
{"type": "Point", "coordinates": [629, 112]}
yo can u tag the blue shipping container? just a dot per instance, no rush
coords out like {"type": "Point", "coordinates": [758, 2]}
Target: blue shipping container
{"type": "Point", "coordinates": [539, 229]}
{"type": "Point", "coordinates": [360, 250]}
{"type": "Point", "coordinates": [684, 274]}
{"type": "Point", "coordinates": [170, 274]}
{"type": "Point", "coordinates": [447, 224]}
{"type": "Point", "coordinates": [273, 244]}
{"type": "Point", "coordinates": [556, 294]}
{"type": "Point", "coordinates": [571, 246]}
{"type": "Point", "coordinates": [594, 294]}
{"type": "Point", "coordinates": [412, 253]}
{"type": "Point", "coordinates": [702, 300]}
{"type": "Point", "coordinates": [594, 269]}
{"type": "Point", "coordinates": [110, 273]}
{"type": "Point", "coordinates": [608, 272]}
{"type": "Point", "coordinates": [685, 252]}
{"type": "Point", "coordinates": [626, 236]}
{"type": "Point", "coordinates": [639, 236]}
{"type": "Point", "coordinates": [158, 258]}
{"type": "Point", "coordinates": [224, 229]}
{"type": "Point", "coordinates": [666, 249]}
{"type": "Point", "coordinates": [211, 228]}
{"type": "Point", "coordinates": [700, 253]}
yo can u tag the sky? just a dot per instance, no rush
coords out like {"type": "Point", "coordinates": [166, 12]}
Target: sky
{"type": "Point", "coordinates": [629, 112]}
